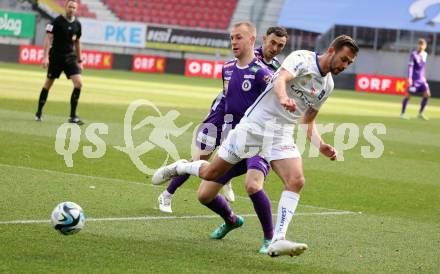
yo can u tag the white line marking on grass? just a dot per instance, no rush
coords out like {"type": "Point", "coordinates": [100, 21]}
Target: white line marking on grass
{"type": "Point", "coordinates": [152, 218]}
{"type": "Point", "coordinates": [302, 205]}
{"type": "Point", "coordinates": [114, 180]}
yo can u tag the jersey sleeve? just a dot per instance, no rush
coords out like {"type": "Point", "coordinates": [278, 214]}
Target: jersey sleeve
{"type": "Point", "coordinates": [223, 77]}
{"type": "Point", "coordinates": [411, 65]}
{"type": "Point", "coordinates": [50, 27]}
{"type": "Point", "coordinates": [79, 31]}
{"type": "Point", "coordinates": [295, 64]}
{"type": "Point", "coordinates": [263, 78]}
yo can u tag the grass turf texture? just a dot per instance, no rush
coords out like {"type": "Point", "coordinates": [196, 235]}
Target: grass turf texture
{"type": "Point", "coordinates": [398, 194]}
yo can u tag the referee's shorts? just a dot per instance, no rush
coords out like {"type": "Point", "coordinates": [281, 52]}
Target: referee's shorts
{"type": "Point", "coordinates": [60, 63]}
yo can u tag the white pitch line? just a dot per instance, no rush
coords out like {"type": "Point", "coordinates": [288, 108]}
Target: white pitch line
{"type": "Point", "coordinates": [114, 180]}
{"type": "Point", "coordinates": [152, 218]}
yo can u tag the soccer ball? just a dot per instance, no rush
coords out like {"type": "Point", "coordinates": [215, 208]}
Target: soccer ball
{"type": "Point", "coordinates": [68, 218]}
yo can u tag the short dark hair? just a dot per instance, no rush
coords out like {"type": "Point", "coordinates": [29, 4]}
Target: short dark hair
{"type": "Point", "coordinates": [345, 41]}
{"type": "Point", "coordinates": [278, 31]}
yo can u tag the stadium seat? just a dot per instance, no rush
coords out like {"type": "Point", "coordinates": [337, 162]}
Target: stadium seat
{"type": "Point", "coordinates": [83, 9]}
{"type": "Point", "coordinates": [208, 14]}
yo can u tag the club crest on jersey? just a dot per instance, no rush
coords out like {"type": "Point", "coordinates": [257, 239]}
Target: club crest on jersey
{"type": "Point", "coordinates": [246, 85]}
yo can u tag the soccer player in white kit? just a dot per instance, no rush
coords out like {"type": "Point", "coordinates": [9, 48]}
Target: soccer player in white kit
{"type": "Point", "coordinates": [296, 93]}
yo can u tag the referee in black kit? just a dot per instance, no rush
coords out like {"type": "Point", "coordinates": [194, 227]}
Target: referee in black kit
{"type": "Point", "coordinates": [63, 35]}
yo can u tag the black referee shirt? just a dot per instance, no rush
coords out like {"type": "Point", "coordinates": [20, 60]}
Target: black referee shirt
{"type": "Point", "coordinates": [64, 35]}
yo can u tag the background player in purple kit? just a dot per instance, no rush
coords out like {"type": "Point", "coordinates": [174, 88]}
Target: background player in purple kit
{"type": "Point", "coordinates": [273, 43]}
{"type": "Point", "coordinates": [416, 79]}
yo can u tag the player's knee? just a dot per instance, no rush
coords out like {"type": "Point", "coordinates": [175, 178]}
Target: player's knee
{"type": "Point", "coordinates": [203, 197]}
{"type": "Point", "coordinates": [209, 174]}
{"type": "Point", "coordinates": [253, 186]}
{"type": "Point", "coordinates": [78, 84]}
{"type": "Point", "coordinates": [296, 183]}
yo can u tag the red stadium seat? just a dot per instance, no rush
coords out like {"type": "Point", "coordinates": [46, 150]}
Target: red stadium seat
{"type": "Point", "coordinates": [211, 14]}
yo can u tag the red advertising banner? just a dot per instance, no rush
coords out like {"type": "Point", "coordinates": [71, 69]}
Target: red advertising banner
{"type": "Point", "coordinates": [97, 59]}
{"type": "Point", "coordinates": [203, 68]}
{"type": "Point", "coordinates": [381, 84]}
{"type": "Point", "coordinates": [148, 63]}
{"type": "Point", "coordinates": [31, 54]}
{"type": "Point", "coordinates": [92, 59]}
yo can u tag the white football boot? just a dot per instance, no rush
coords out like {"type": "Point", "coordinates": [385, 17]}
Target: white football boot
{"type": "Point", "coordinates": [284, 247]}
{"type": "Point", "coordinates": [165, 173]}
{"type": "Point", "coordinates": [228, 192]}
{"type": "Point", "coordinates": [165, 203]}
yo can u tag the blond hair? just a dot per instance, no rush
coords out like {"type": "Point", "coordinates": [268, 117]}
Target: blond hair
{"type": "Point", "coordinates": [250, 26]}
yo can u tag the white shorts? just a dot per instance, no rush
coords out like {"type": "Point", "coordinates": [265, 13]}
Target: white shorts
{"type": "Point", "coordinates": [249, 139]}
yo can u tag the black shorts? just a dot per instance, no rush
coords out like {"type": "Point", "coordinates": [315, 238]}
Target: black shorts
{"type": "Point", "coordinates": [60, 63]}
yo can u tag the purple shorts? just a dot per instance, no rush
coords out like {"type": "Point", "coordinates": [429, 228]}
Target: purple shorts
{"type": "Point", "coordinates": [209, 133]}
{"type": "Point", "coordinates": [417, 87]}
{"type": "Point", "coordinates": [256, 162]}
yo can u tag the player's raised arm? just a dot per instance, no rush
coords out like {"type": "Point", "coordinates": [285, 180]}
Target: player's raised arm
{"type": "Point", "coordinates": [279, 87]}
{"type": "Point", "coordinates": [313, 135]}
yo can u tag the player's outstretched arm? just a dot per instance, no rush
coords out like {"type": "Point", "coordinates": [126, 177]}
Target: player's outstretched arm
{"type": "Point", "coordinates": [314, 136]}
{"type": "Point", "coordinates": [279, 87]}
{"type": "Point", "coordinates": [47, 43]}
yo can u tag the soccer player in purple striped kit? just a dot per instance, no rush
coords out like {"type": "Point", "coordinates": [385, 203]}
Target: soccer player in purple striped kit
{"type": "Point", "coordinates": [416, 79]}
{"type": "Point", "coordinates": [244, 79]}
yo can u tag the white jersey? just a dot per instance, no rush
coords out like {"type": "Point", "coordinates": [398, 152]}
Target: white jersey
{"type": "Point", "coordinates": [309, 88]}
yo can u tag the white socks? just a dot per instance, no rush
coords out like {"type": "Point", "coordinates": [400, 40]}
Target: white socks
{"type": "Point", "coordinates": [286, 208]}
{"type": "Point", "coordinates": [166, 194]}
{"type": "Point", "coordinates": [191, 168]}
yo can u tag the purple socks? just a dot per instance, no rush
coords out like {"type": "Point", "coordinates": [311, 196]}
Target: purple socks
{"type": "Point", "coordinates": [221, 207]}
{"type": "Point", "coordinates": [423, 104]}
{"type": "Point", "coordinates": [263, 209]}
{"type": "Point", "coordinates": [404, 103]}
{"type": "Point", "coordinates": [176, 182]}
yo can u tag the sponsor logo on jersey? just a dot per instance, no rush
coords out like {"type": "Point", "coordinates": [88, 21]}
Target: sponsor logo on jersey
{"type": "Point", "coordinates": [267, 78]}
{"type": "Point", "coordinates": [228, 72]}
{"type": "Point", "coordinates": [321, 95]}
{"type": "Point", "coordinates": [254, 69]}
{"type": "Point", "coordinates": [302, 96]}
{"type": "Point", "coordinates": [249, 76]}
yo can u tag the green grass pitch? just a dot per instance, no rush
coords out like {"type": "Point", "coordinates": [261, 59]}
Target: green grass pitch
{"type": "Point", "coordinates": [398, 194]}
